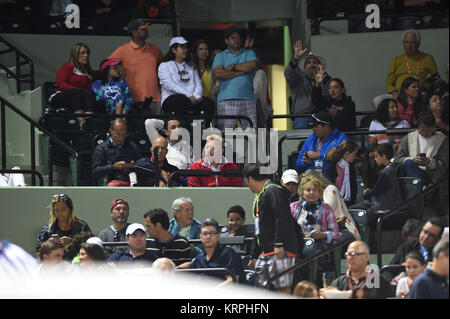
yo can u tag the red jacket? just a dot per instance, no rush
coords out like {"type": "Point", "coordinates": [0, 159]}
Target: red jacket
{"type": "Point", "coordinates": [68, 77]}
{"type": "Point", "coordinates": [214, 181]}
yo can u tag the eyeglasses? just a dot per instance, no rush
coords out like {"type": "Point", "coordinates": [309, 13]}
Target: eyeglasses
{"type": "Point", "coordinates": [427, 233]}
{"type": "Point", "coordinates": [353, 254]}
{"type": "Point", "coordinates": [60, 197]}
{"type": "Point", "coordinates": [206, 234]}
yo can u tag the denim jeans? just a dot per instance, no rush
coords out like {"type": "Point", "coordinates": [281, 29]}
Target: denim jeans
{"type": "Point", "coordinates": [302, 123]}
{"type": "Point", "coordinates": [411, 169]}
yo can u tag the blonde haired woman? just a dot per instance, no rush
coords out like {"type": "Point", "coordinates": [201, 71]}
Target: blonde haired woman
{"type": "Point", "coordinates": [63, 224]}
{"type": "Point", "coordinates": [332, 197]}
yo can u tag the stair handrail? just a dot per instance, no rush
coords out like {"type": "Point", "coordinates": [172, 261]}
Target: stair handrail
{"type": "Point", "coordinates": [18, 76]}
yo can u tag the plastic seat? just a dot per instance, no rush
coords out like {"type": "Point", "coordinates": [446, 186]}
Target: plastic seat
{"type": "Point", "coordinates": [142, 142]}
{"type": "Point", "coordinates": [308, 250]}
{"type": "Point", "coordinates": [360, 218]}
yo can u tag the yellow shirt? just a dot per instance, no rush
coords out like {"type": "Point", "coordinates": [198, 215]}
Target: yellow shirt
{"type": "Point", "coordinates": [399, 71]}
{"type": "Point", "coordinates": [206, 83]}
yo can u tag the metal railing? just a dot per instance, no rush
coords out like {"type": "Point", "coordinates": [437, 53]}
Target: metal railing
{"type": "Point", "coordinates": [20, 60]}
{"type": "Point", "coordinates": [382, 217]}
{"type": "Point", "coordinates": [33, 125]}
{"type": "Point", "coordinates": [307, 260]}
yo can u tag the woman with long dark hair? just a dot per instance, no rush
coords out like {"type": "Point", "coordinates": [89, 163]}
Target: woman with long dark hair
{"type": "Point", "coordinates": [386, 118]}
{"type": "Point", "coordinates": [202, 63]}
{"type": "Point", "coordinates": [181, 88]}
{"type": "Point", "coordinates": [410, 101]}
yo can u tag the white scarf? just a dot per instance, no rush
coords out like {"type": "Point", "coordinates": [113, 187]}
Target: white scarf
{"type": "Point", "coordinates": [345, 188]}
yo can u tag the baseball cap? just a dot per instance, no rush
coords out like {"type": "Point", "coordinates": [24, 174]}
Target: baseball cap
{"type": "Point", "coordinates": [137, 24]}
{"type": "Point", "coordinates": [118, 201]}
{"type": "Point", "coordinates": [320, 118]}
{"type": "Point", "coordinates": [110, 62]}
{"type": "Point", "coordinates": [133, 227]}
{"type": "Point", "coordinates": [290, 175]}
{"type": "Point", "coordinates": [179, 40]}
{"type": "Point", "coordinates": [95, 240]}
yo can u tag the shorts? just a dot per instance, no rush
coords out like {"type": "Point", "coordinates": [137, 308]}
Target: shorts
{"type": "Point", "coordinates": [267, 267]}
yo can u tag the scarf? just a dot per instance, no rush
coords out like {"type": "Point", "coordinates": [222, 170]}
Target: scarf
{"type": "Point", "coordinates": [345, 188]}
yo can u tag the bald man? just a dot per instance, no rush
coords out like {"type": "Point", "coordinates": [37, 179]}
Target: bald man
{"type": "Point", "coordinates": [146, 168]}
{"type": "Point", "coordinates": [115, 157]}
{"type": "Point", "coordinates": [360, 273]}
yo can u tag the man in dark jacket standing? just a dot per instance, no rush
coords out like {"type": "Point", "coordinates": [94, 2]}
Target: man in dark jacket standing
{"type": "Point", "coordinates": [116, 156]}
{"type": "Point", "coordinates": [276, 230]}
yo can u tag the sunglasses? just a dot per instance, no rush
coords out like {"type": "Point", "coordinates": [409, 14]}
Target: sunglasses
{"type": "Point", "coordinates": [59, 197]}
{"type": "Point", "coordinates": [353, 254]}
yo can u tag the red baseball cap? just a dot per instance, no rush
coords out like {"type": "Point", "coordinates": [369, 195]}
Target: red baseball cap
{"type": "Point", "coordinates": [119, 201]}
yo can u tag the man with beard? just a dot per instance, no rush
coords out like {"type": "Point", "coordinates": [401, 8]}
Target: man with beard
{"type": "Point", "coordinates": [300, 76]}
{"type": "Point", "coordinates": [140, 61]}
{"type": "Point", "coordinates": [116, 232]}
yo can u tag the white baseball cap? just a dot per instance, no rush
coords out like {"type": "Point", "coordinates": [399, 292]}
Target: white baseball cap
{"type": "Point", "coordinates": [133, 227]}
{"type": "Point", "coordinates": [289, 175]}
{"type": "Point", "coordinates": [179, 40]}
{"type": "Point", "coordinates": [95, 240]}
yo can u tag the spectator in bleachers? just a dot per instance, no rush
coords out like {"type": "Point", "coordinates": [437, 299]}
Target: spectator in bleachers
{"type": "Point", "coordinates": [411, 229]}
{"type": "Point", "coordinates": [163, 266]}
{"type": "Point", "coordinates": [115, 157]}
{"type": "Point", "coordinates": [202, 62]}
{"type": "Point", "coordinates": [341, 170]}
{"type": "Point", "coordinates": [71, 251]}
{"type": "Point", "coordinates": [412, 63]}
{"type": "Point", "coordinates": [429, 236]}
{"type": "Point", "coordinates": [359, 272]}
{"type": "Point", "coordinates": [55, 8]}
{"type": "Point", "coordinates": [339, 105]}
{"type": "Point", "coordinates": [433, 283]}
{"type": "Point", "coordinates": [333, 198]}
{"type": "Point", "coordinates": [181, 88]}
{"type": "Point", "coordinates": [316, 218]}
{"type": "Point", "coordinates": [163, 243]}
{"type": "Point", "coordinates": [51, 254]}
{"type": "Point", "coordinates": [12, 179]}
{"type": "Point", "coordinates": [306, 289]}
{"type": "Point", "coordinates": [424, 152]}
{"type": "Point", "coordinates": [279, 237]}
{"type": "Point", "coordinates": [140, 61]}
{"type": "Point", "coordinates": [261, 91]}
{"type": "Point", "coordinates": [385, 194]}
{"type": "Point", "coordinates": [415, 265]}
{"type": "Point", "coordinates": [73, 84]}
{"type": "Point", "coordinates": [410, 101]}
{"type": "Point", "coordinates": [234, 68]}
{"type": "Point", "coordinates": [136, 254]}
{"type": "Point", "coordinates": [179, 152]}
{"type": "Point", "coordinates": [300, 75]}
{"type": "Point", "coordinates": [289, 179]}
{"type": "Point", "coordinates": [214, 161]}
{"type": "Point", "coordinates": [215, 255]}
{"type": "Point", "coordinates": [368, 168]}
{"type": "Point", "coordinates": [111, 89]}
{"type": "Point", "coordinates": [386, 118]}
{"type": "Point", "coordinates": [63, 223]}
{"type": "Point", "coordinates": [236, 220]}
{"type": "Point", "coordinates": [146, 166]}
{"type": "Point", "coordinates": [91, 255]}
{"type": "Point", "coordinates": [184, 223]}
{"type": "Point", "coordinates": [325, 136]}
{"type": "Point", "coordinates": [120, 211]}
{"type": "Point", "coordinates": [436, 107]}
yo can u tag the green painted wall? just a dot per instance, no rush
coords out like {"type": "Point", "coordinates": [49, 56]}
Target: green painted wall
{"type": "Point", "coordinates": [25, 210]}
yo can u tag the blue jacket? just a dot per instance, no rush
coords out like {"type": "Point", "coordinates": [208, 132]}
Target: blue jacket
{"type": "Point", "coordinates": [311, 144]}
{"type": "Point", "coordinates": [194, 232]}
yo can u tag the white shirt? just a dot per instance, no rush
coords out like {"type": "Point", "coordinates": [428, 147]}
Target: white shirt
{"type": "Point", "coordinates": [170, 80]}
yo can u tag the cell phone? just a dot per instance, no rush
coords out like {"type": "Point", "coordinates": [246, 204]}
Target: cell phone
{"type": "Point", "coordinates": [306, 154]}
{"type": "Point", "coordinates": [423, 155]}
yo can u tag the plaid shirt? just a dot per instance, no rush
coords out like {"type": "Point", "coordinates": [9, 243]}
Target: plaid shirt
{"type": "Point", "coordinates": [325, 217]}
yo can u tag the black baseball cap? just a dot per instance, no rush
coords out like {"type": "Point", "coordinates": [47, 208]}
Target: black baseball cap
{"type": "Point", "coordinates": [137, 24]}
{"type": "Point", "coordinates": [321, 118]}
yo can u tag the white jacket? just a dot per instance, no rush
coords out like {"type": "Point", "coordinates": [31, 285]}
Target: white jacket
{"type": "Point", "coordinates": [170, 82]}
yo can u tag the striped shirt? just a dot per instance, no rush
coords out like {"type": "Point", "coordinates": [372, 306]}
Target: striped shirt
{"type": "Point", "coordinates": [176, 249]}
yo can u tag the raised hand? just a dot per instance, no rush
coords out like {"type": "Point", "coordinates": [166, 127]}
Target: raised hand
{"type": "Point", "coordinates": [320, 75]}
{"type": "Point", "coordinates": [298, 49]}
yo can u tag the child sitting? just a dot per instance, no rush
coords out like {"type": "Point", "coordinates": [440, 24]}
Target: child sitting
{"type": "Point", "coordinates": [415, 265]}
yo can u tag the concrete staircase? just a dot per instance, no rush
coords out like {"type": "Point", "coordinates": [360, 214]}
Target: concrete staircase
{"type": "Point", "coordinates": [18, 142]}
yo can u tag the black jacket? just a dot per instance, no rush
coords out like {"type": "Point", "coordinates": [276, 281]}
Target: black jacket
{"type": "Point", "coordinates": [331, 174]}
{"type": "Point", "coordinates": [277, 227]}
{"type": "Point", "coordinates": [405, 248]}
{"type": "Point", "coordinates": [145, 172]}
{"type": "Point", "coordinates": [343, 112]}
{"type": "Point", "coordinates": [107, 153]}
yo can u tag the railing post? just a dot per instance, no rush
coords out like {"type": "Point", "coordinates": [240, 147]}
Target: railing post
{"type": "Point", "coordinates": [379, 253]}
{"type": "Point", "coordinates": [3, 129]}
{"type": "Point", "coordinates": [33, 154]}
